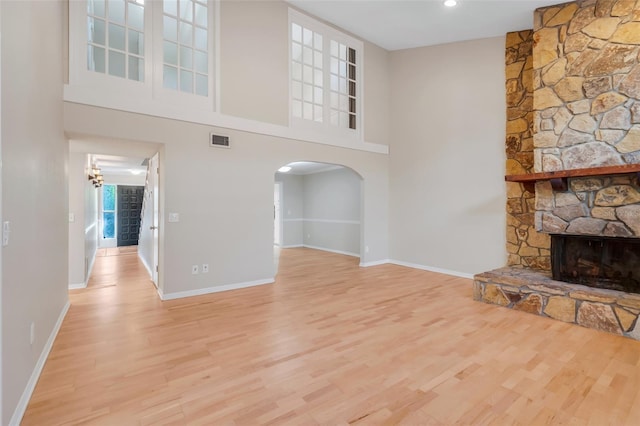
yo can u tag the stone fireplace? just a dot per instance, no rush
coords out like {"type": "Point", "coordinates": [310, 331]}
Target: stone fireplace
{"type": "Point", "coordinates": [573, 163]}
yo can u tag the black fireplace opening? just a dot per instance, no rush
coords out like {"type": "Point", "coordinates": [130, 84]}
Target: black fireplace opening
{"type": "Point", "coordinates": [602, 262]}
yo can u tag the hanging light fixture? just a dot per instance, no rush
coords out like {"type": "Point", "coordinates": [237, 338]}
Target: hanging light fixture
{"type": "Point", "coordinates": [95, 176]}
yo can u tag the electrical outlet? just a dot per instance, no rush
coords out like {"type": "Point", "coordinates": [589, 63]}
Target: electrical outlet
{"type": "Point", "coordinates": [194, 269]}
{"type": "Point", "coordinates": [205, 268]}
{"type": "Point", "coordinates": [366, 249]}
{"type": "Point", "coordinates": [6, 230]}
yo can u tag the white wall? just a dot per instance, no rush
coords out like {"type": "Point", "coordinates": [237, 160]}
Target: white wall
{"type": "Point", "coordinates": [83, 231]}
{"type": "Point", "coordinates": [254, 68]}
{"type": "Point", "coordinates": [332, 211]}
{"type": "Point", "coordinates": [292, 209]}
{"type": "Point", "coordinates": [447, 156]}
{"type": "Point", "coordinates": [34, 192]}
{"type": "Point", "coordinates": [225, 196]}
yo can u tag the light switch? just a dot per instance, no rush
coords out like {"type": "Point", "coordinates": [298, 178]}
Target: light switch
{"type": "Point", "coordinates": [72, 217]}
{"type": "Point", "coordinates": [6, 230]}
{"type": "Point", "coordinates": [174, 217]}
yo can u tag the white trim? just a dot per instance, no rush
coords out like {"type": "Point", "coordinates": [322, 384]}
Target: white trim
{"type": "Point", "coordinates": [374, 263]}
{"type": "Point", "coordinates": [346, 253]}
{"type": "Point", "coordinates": [96, 96]}
{"type": "Point", "coordinates": [348, 222]}
{"type": "Point", "coordinates": [146, 266]}
{"type": "Point", "coordinates": [432, 269]}
{"type": "Point", "coordinates": [76, 286]}
{"type": "Point", "coordinates": [35, 375]}
{"type": "Point", "coordinates": [293, 246]}
{"type": "Point", "coordinates": [215, 289]}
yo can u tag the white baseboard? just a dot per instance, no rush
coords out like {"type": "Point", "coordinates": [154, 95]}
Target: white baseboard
{"type": "Point", "coordinates": [216, 289]}
{"type": "Point", "coordinates": [346, 253]}
{"type": "Point", "coordinates": [292, 246]}
{"type": "Point", "coordinates": [144, 262]}
{"type": "Point", "coordinates": [18, 413]}
{"type": "Point", "coordinates": [432, 269]}
{"type": "Point", "coordinates": [76, 286]}
{"type": "Point", "coordinates": [374, 263]}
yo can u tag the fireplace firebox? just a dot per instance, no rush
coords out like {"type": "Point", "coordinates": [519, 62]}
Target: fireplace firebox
{"type": "Point", "coordinates": [601, 262]}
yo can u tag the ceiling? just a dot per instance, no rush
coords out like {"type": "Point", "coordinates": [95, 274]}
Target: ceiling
{"type": "Point", "coordinates": [403, 24]}
{"type": "Point", "coordinates": [309, 167]}
{"type": "Point", "coordinates": [117, 165]}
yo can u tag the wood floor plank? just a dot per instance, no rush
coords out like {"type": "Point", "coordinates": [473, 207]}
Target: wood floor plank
{"type": "Point", "coordinates": [328, 343]}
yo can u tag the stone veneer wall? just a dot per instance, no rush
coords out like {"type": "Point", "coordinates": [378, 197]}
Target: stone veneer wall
{"type": "Point", "coordinates": [586, 60]}
{"type": "Point", "coordinates": [526, 246]}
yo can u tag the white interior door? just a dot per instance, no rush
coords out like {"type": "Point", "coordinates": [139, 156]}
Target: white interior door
{"type": "Point", "coordinates": [277, 214]}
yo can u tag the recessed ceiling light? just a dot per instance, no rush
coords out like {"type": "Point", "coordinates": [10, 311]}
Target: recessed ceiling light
{"type": "Point", "coordinates": [450, 3]}
{"type": "Point", "coordinates": [135, 172]}
{"type": "Point", "coordinates": [284, 169]}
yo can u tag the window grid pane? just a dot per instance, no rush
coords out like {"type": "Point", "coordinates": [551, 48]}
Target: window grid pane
{"type": "Point", "coordinates": [343, 85]}
{"type": "Point", "coordinates": [307, 74]}
{"type": "Point", "coordinates": [186, 47]}
{"type": "Point", "coordinates": [115, 41]}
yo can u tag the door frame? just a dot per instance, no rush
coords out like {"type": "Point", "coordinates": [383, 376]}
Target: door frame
{"type": "Point", "coordinates": [278, 186]}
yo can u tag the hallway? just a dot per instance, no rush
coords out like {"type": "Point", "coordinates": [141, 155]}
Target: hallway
{"type": "Point", "coordinates": [328, 343]}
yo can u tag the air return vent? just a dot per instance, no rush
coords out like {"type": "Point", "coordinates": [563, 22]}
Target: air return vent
{"type": "Point", "coordinates": [218, 141]}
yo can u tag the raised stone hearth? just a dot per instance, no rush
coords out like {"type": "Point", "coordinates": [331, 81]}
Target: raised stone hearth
{"type": "Point", "coordinates": [535, 292]}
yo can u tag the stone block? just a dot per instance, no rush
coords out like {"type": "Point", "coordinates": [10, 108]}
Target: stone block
{"type": "Point", "coordinates": [628, 33]}
{"type": "Point", "coordinates": [561, 308]}
{"type": "Point", "coordinates": [604, 7]}
{"type": "Point", "coordinates": [477, 290]}
{"type": "Point", "coordinates": [630, 215]}
{"type": "Point", "coordinates": [602, 28]}
{"type": "Point", "coordinates": [592, 296]}
{"type": "Point", "coordinates": [552, 224]}
{"type": "Point", "coordinates": [583, 123]}
{"type": "Point", "coordinates": [547, 289]}
{"type": "Point", "coordinates": [525, 250]}
{"type": "Point", "coordinates": [561, 119]}
{"type": "Point", "coordinates": [532, 304]}
{"type": "Point", "coordinates": [631, 142]}
{"type": "Point", "coordinates": [599, 317]}
{"type": "Point", "coordinates": [569, 213]}
{"type": "Point", "coordinates": [546, 51]}
{"type": "Point", "coordinates": [606, 101]}
{"type": "Point", "coordinates": [569, 89]}
{"type": "Point", "coordinates": [597, 85]}
{"type": "Point", "coordinates": [616, 229]}
{"type": "Point", "coordinates": [554, 72]}
{"type": "Point", "coordinates": [586, 226]}
{"type": "Point", "coordinates": [571, 137]}
{"type": "Point", "coordinates": [539, 240]}
{"type": "Point", "coordinates": [576, 43]}
{"type": "Point", "coordinates": [579, 107]}
{"type": "Point", "coordinates": [566, 199]}
{"type": "Point", "coordinates": [617, 195]}
{"type": "Point", "coordinates": [629, 301]}
{"type": "Point", "coordinates": [551, 163]}
{"type": "Point", "coordinates": [606, 213]}
{"type": "Point", "coordinates": [493, 294]}
{"type": "Point", "coordinates": [586, 184]}
{"type": "Point", "coordinates": [609, 136]}
{"type": "Point", "coordinates": [514, 70]}
{"type": "Point", "coordinates": [591, 154]}
{"type": "Point", "coordinates": [617, 118]}
{"type": "Point", "coordinates": [545, 139]}
{"type": "Point", "coordinates": [545, 98]}
{"type": "Point", "coordinates": [623, 7]}
{"type": "Point", "coordinates": [563, 16]}
{"type": "Point", "coordinates": [614, 58]}
{"type": "Point", "coordinates": [581, 19]}
{"type": "Point", "coordinates": [635, 113]}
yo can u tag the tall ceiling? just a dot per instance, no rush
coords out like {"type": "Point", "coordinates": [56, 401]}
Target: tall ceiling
{"type": "Point", "coordinates": [403, 24]}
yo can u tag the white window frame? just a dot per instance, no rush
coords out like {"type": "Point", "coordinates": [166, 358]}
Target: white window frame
{"type": "Point", "coordinates": [150, 95]}
{"type": "Point", "coordinates": [328, 33]}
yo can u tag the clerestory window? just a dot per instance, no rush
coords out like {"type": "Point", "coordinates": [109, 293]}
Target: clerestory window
{"type": "Point", "coordinates": [324, 75]}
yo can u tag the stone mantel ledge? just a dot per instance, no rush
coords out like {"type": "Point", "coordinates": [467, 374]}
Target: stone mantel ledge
{"type": "Point", "coordinates": [536, 292]}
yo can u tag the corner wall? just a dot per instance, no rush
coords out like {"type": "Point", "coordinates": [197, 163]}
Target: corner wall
{"type": "Point", "coordinates": [34, 154]}
{"type": "Point", "coordinates": [447, 156]}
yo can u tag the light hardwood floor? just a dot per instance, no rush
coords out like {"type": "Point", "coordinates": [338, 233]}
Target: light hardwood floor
{"type": "Point", "coordinates": [328, 343]}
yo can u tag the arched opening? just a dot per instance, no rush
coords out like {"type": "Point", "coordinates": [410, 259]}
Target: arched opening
{"type": "Point", "coordinates": [318, 206]}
